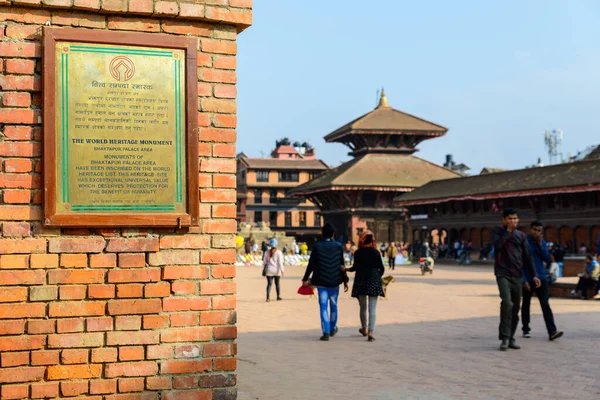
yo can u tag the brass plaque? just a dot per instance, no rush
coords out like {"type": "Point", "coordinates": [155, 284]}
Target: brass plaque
{"type": "Point", "coordinates": [120, 115]}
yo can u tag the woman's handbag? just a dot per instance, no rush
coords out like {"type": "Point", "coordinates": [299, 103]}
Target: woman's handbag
{"type": "Point", "coordinates": [306, 290]}
{"type": "Point", "coordinates": [264, 271]}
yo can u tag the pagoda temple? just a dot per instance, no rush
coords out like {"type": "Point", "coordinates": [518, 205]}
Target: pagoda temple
{"type": "Point", "coordinates": [358, 194]}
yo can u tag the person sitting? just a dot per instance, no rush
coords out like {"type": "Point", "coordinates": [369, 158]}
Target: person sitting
{"type": "Point", "coordinates": [589, 278]}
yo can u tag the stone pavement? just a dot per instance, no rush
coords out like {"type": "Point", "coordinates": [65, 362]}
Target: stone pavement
{"type": "Point", "coordinates": [436, 339]}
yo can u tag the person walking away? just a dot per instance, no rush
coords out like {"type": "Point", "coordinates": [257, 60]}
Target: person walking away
{"type": "Point", "coordinates": [512, 255]}
{"type": "Point", "coordinates": [273, 259]}
{"type": "Point", "coordinates": [392, 252]}
{"type": "Point", "coordinates": [326, 265]}
{"type": "Point", "coordinates": [589, 278]}
{"type": "Point", "coordinates": [382, 249]}
{"type": "Point", "coordinates": [367, 282]}
{"type": "Point", "coordinates": [541, 255]}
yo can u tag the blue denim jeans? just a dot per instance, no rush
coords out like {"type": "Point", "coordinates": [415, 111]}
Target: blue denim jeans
{"type": "Point", "coordinates": [328, 298]}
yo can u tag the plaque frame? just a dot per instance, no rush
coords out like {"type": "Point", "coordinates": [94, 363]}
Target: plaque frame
{"type": "Point", "coordinates": [119, 219]}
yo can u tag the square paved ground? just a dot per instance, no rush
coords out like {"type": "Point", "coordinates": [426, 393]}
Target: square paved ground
{"type": "Point", "coordinates": [436, 339]}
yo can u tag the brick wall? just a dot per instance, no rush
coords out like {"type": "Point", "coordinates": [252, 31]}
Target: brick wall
{"type": "Point", "coordinates": [117, 313]}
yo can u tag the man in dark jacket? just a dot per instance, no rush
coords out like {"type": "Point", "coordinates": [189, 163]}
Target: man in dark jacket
{"type": "Point", "coordinates": [512, 255]}
{"type": "Point", "coordinates": [325, 264]}
{"type": "Point", "coordinates": [541, 256]}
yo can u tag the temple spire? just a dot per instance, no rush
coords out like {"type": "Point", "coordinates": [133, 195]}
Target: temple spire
{"type": "Point", "coordinates": [383, 102]}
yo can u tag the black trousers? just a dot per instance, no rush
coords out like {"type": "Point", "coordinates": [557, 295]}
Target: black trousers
{"type": "Point", "coordinates": [584, 284]}
{"type": "Point", "coordinates": [270, 284]}
{"type": "Point", "coordinates": [392, 262]}
{"type": "Point", "coordinates": [543, 296]}
{"type": "Point", "coordinates": [510, 292]}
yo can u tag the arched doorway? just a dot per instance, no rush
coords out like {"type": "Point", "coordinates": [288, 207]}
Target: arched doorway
{"type": "Point", "coordinates": [464, 235]}
{"type": "Point", "coordinates": [475, 238]}
{"type": "Point", "coordinates": [565, 235]}
{"type": "Point", "coordinates": [486, 235]}
{"type": "Point", "coordinates": [582, 237]}
{"type": "Point", "coordinates": [551, 234]}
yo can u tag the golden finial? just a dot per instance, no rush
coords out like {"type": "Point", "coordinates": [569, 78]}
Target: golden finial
{"type": "Point", "coordinates": [383, 100]}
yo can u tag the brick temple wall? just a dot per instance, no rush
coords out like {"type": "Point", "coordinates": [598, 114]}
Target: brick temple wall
{"type": "Point", "coordinates": [117, 313]}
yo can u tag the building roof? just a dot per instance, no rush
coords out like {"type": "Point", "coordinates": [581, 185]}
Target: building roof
{"type": "Point", "coordinates": [284, 150]}
{"type": "Point", "coordinates": [377, 170]}
{"type": "Point", "coordinates": [595, 154]}
{"type": "Point", "coordinates": [570, 177]}
{"type": "Point", "coordinates": [386, 120]}
{"type": "Point", "coordinates": [283, 163]}
{"type": "Point", "coordinates": [488, 170]}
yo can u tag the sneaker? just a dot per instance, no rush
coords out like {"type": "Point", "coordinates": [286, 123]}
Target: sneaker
{"type": "Point", "coordinates": [504, 345]}
{"type": "Point", "coordinates": [556, 335]}
{"type": "Point", "coordinates": [279, 298]}
{"type": "Point", "coordinates": [333, 332]}
{"type": "Point", "coordinates": [513, 345]}
{"type": "Point", "coordinates": [324, 338]}
{"type": "Point", "coordinates": [268, 300]}
{"type": "Point", "coordinates": [526, 335]}
{"type": "Point", "coordinates": [572, 293]}
{"type": "Point", "coordinates": [597, 297]}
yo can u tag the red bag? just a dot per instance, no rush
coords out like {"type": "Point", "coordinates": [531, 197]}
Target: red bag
{"type": "Point", "coordinates": [306, 290]}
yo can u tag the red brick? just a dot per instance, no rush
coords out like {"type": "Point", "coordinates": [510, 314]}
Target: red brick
{"type": "Point", "coordinates": [184, 319]}
{"type": "Point", "coordinates": [156, 321]}
{"type": "Point", "coordinates": [17, 196]}
{"type": "Point", "coordinates": [76, 340]}
{"type": "Point", "coordinates": [134, 24]}
{"type": "Point", "coordinates": [87, 4]}
{"type": "Point", "coordinates": [44, 390]}
{"type": "Point", "coordinates": [219, 46]}
{"type": "Point", "coordinates": [127, 385]}
{"type": "Point", "coordinates": [69, 325]}
{"type": "Point", "coordinates": [185, 382]}
{"type": "Point", "coordinates": [186, 304]}
{"type": "Point", "coordinates": [21, 246]}
{"type": "Point", "coordinates": [126, 323]}
{"type": "Point", "coordinates": [159, 352]}
{"type": "Point", "coordinates": [114, 5]}
{"type": "Point", "coordinates": [144, 368]}
{"type": "Point", "coordinates": [75, 356]}
{"type": "Point", "coordinates": [104, 355]}
{"type": "Point", "coordinates": [194, 334]}
{"type": "Point", "coordinates": [18, 164]}
{"type": "Point", "coordinates": [20, 66]}
{"type": "Point", "coordinates": [183, 288]}
{"type": "Point", "coordinates": [124, 307]}
{"type": "Point", "coordinates": [15, 327]}
{"type": "Point", "coordinates": [166, 8]}
{"type": "Point", "coordinates": [225, 364]}
{"type": "Point", "coordinates": [21, 49]}
{"type": "Point", "coordinates": [188, 351]}
{"type": "Point", "coordinates": [20, 180]}
{"type": "Point", "coordinates": [60, 372]}
{"type": "Point", "coordinates": [176, 257]}
{"type": "Point", "coordinates": [205, 150]}
{"type": "Point", "coordinates": [103, 260]}
{"type": "Point", "coordinates": [21, 374]}
{"type": "Point", "coordinates": [191, 10]}
{"type": "Point", "coordinates": [185, 242]}
{"type": "Point", "coordinates": [130, 291]}
{"type": "Point", "coordinates": [186, 27]}
{"type": "Point", "coordinates": [72, 292]}
{"type": "Point", "coordinates": [99, 324]}
{"type": "Point", "coordinates": [44, 357]}
{"type": "Point", "coordinates": [158, 383]}
{"type": "Point", "coordinates": [217, 196]}
{"type": "Point", "coordinates": [224, 181]}
{"type": "Point", "coordinates": [185, 272]}
{"type": "Point", "coordinates": [223, 302]}
{"type": "Point", "coordinates": [141, 6]}
{"type": "Point", "coordinates": [134, 275]}
{"type": "Point", "coordinates": [24, 15]}
{"type": "Point", "coordinates": [19, 99]}
{"type": "Point", "coordinates": [101, 291]}
{"type": "Point", "coordinates": [20, 149]}
{"type": "Point", "coordinates": [240, 3]}
{"type": "Point", "coordinates": [28, 32]}
{"type": "Point", "coordinates": [76, 245]}
{"type": "Point", "coordinates": [132, 260]}
{"type": "Point", "coordinates": [219, 226]}
{"type": "Point", "coordinates": [223, 271]}
{"type": "Point", "coordinates": [204, 118]}
{"type": "Point", "coordinates": [14, 359]}
{"type": "Point", "coordinates": [182, 367]}
{"type": "Point", "coordinates": [217, 287]}
{"type": "Point", "coordinates": [201, 394]}
{"type": "Point", "coordinates": [74, 388]}
{"type": "Point", "coordinates": [205, 180]}
{"type": "Point", "coordinates": [13, 294]}
{"type": "Point", "coordinates": [22, 310]}
{"type": "Point", "coordinates": [76, 308]}
{"type": "Point", "coordinates": [162, 289]}
{"type": "Point", "coordinates": [220, 76]}
{"type": "Point", "coordinates": [41, 326]}
{"type": "Point", "coordinates": [75, 276]}
{"type": "Point", "coordinates": [218, 135]}
{"type": "Point", "coordinates": [225, 106]}
{"type": "Point", "coordinates": [10, 277]}
{"type": "Point", "coordinates": [219, 350]}
{"type": "Point", "coordinates": [104, 386]}
{"type": "Point", "coordinates": [217, 317]}
{"type": "Point", "coordinates": [15, 392]}
{"type": "Point", "coordinates": [18, 132]}
{"type": "Point", "coordinates": [218, 256]}
{"type": "Point", "coordinates": [43, 293]}
{"type": "Point", "coordinates": [134, 353]}
{"type": "Point", "coordinates": [18, 116]}
{"type": "Point", "coordinates": [44, 261]}
{"type": "Point", "coordinates": [14, 261]}
{"type": "Point", "coordinates": [74, 260]}
{"type": "Point", "coordinates": [135, 245]}
{"type": "Point", "coordinates": [218, 165]}
{"type": "Point", "coordinates": [78, 19]}
{"type": "Point", "coordinates": [225, 121]}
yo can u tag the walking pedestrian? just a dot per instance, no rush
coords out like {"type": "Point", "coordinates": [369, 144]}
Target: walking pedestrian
{"type": "Point", "coordinates": [367, 282]}
{"type": "Point", "coordinates": [541, 255]}
{"type": "Point", "coordinates": [392, 252]}
{"type": "Point", "coordinates": [512, 255]}
{"type": "Point", "coordinates": [273, 261]}
{"type": "Point", "coordinates": [326, 265]}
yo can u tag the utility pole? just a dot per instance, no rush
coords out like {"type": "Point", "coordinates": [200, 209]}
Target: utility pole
{"type": "Point", "coordinates": [553, 139]}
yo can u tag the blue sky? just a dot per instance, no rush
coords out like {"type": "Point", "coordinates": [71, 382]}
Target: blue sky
{"type": "Point", "coordinates": [497, 74]}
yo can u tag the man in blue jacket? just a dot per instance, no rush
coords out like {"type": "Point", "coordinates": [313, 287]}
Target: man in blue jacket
{"type": "Point", "coordinates": [541, 255]}
{"type": "Point", "coordinates": [325, 264]}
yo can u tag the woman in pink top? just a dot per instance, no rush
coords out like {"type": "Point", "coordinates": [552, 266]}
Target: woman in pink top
{"type": "Point", "coordinates": [273, 261]}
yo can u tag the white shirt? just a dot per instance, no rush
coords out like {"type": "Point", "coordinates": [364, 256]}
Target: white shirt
{"type": "Point", "coordinates": [274, 265]}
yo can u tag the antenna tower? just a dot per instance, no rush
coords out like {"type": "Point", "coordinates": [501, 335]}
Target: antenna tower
{"type": "Point", "coordinates": [553, 139]}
